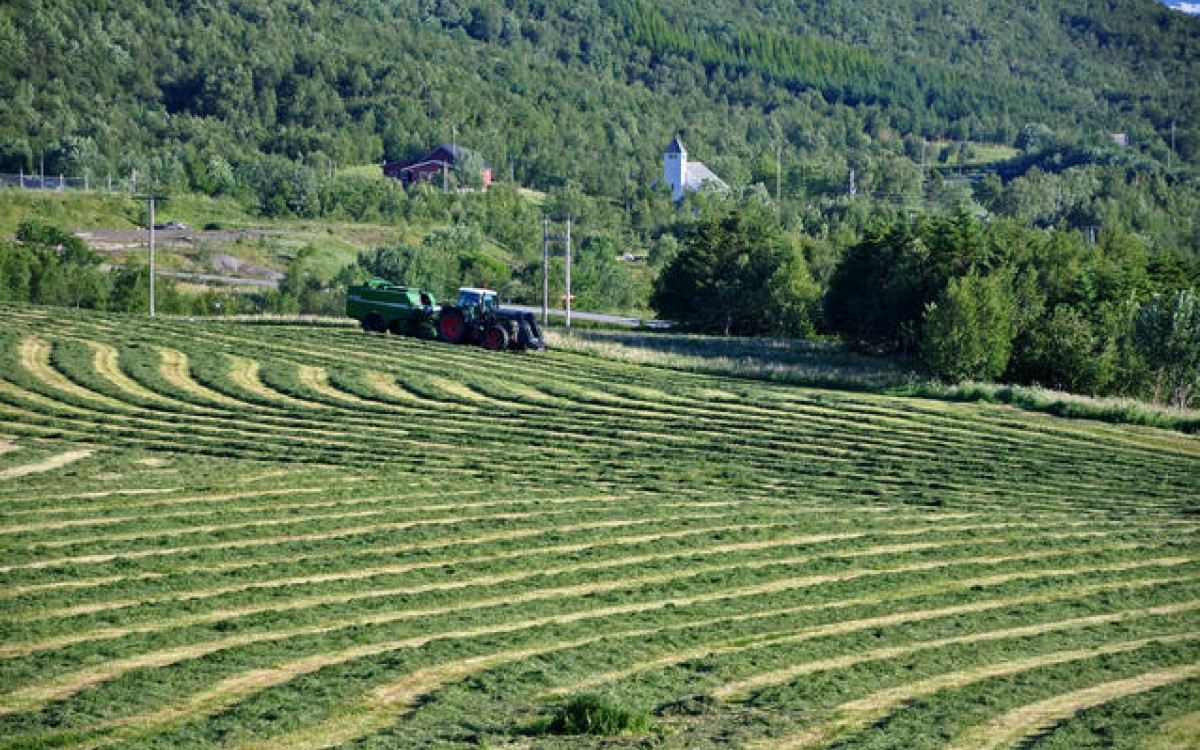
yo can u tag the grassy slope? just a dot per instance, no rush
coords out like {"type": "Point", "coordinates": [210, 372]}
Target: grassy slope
{"type": "Point", "coordinates": [336, 244]}
{"type": "Point", "coordinates": [293, 537]}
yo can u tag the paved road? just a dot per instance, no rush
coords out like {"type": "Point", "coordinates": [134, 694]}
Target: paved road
{"type": "Point", "coordinates": [230, 280]}
{"type": "Point", "coordinates": [619, 320]}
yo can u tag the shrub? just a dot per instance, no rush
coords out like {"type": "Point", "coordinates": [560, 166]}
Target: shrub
{"type": "Point", "coordinates": [597, 715]}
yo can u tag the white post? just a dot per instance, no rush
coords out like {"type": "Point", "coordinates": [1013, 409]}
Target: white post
{"type": "Point", "coordinates": [152, 256]}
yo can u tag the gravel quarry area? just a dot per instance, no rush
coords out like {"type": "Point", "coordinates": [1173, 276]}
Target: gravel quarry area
{"type": "Point", "coordinates": [212, 266]}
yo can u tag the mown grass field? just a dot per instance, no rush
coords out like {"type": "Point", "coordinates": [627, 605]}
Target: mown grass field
{"type": "Point", "coordinates": [240, 536]}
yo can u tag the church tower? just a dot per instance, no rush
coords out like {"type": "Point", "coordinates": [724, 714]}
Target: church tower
{"type": "Point", "coordinates": [675, 167]}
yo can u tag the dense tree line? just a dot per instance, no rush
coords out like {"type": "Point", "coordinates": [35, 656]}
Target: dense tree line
{"type": "Point", "coordinates": [999, 301]}
{"type": "Point", "coordinates": [974, 300]}
{"type": "Point", "coordinates": [737, 274]}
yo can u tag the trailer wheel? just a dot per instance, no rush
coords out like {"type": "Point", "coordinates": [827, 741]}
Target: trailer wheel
{"type": "Point", "coordinates": [373, 323]}
{"type": "Point", "coordinates": [452, 328]}
{"type": "Point", "coordinates": [495, 338]}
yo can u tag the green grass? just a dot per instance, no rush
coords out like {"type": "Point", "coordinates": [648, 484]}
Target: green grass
{"type": "Point", "coordinates": [306, 536]}
{"type": "Point", "coordinates": [68, 209]}
{"type": "Point", "coordinates": [330, 246]}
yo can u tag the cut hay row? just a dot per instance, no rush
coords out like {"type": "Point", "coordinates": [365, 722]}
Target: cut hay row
{"type": "Point", "coordinates": [106, 363]}
{"type": "Point", "coordinates": [863, 712]}
{"type": "Point", "coordinates": [48, 464]}
{"type": "Point", "coordinates": [1006, 730]}
{"type": "Point", "coordinates": [890, 411]}
{"type": "Point", "coordinates": [741, 688]}
{"type": "Point", "coordinates": [290, 537]}
{"type": "Point", "coordinates": [365, 591]}
{"type": "Point", "coordinates": [174, 369]}
{"type": "Point", "coordinates": [386, 702]}
{"type": "Point", "coordinates": [68, 683]}
{"type": "Point", "coordinates": [826, 442]}
{"type": "Point", "coordinates": [407, 364]}
{"type": "Point", "coordinates": [769, 639]}
{"type": "Point", "coordinates": [244, 375]}
{"type": "Point", "coordinates": [42, 609]}
{"type": "Point", "coordinates": [71, 683]}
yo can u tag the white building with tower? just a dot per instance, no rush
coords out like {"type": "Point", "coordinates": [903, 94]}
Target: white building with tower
{"type": "Point", "coordinates": [686, 176]}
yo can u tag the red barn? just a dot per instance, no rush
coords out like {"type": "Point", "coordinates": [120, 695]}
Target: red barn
{"type": "Point", "coordinates": [431, 166]}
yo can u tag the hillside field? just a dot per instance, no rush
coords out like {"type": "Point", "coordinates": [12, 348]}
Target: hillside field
{"type": "Point", "coordinates": [243, 536]}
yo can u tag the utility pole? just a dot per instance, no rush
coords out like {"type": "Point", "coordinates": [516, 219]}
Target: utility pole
{"type": "Point", "coordinates": [547, 238]}
{"type": "Point", "coordinates": [152, 256]}
{"type": "Point", "coordinates": [151, 198]}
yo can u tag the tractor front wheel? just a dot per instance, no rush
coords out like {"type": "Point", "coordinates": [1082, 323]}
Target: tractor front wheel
{"type": "Point", "coordinates": [495, 338]}
{"type": "Point", "coordinates": [452, 327]}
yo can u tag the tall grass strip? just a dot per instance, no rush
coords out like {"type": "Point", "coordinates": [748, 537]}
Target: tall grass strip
{"type": "Point", "coordinates": [31, 697]}
{"type": "Point", "coordinates": [858, 714]}
{"type": "Point", "coordinates": [1009, 729]}
{"type": "Point", "coordinates": [740, 689]}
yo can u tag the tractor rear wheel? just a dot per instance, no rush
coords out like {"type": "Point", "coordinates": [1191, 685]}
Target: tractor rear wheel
{"type": "Point", "coordinates": [495, 338]}
{"type": "Point", "coordinates": [452, 327]}
{"type": "Point", "coordinates": [373, 323]}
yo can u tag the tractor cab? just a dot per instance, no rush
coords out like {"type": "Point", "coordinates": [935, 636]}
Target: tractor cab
{"type": "Point", "coordinates": [487, 299]}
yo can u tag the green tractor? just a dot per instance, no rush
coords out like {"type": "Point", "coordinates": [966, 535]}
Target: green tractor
{"type": "Point", "coordinates": [479, 319]}
{"type": "Point", "coordinates": [381, 306]}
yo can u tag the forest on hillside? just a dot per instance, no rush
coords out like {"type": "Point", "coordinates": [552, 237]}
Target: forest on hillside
{"type": "Point", "coordinates": [553, 91]}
